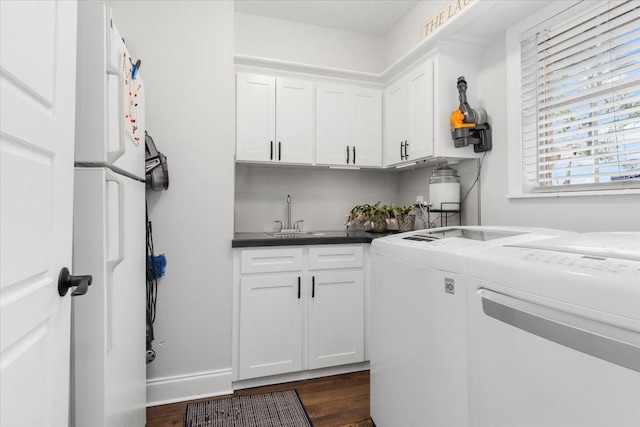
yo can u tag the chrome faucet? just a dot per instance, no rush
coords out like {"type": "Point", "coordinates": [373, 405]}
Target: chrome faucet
{"type": "Point", "coordinates": [288, 227]}
{"type": "Point", "coordinates": [289, 211]}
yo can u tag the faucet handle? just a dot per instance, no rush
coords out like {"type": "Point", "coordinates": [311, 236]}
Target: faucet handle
{"type": "Point", "coordinates": [281, 224]}
{"type": "Point", "coordinates": [295, 226]}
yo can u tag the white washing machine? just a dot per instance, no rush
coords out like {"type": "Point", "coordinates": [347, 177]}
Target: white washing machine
{"type": "Point", "coordinates": [554, 331]}
{"type": "Point", "coordinates": [419, 320]}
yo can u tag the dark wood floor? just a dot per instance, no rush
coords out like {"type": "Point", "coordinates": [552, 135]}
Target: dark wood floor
{"type": "Point", "coordinates": [337, 401]}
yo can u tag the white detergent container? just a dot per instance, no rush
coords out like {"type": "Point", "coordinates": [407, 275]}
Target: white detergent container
{"type": "Point", "coordinates": [444, 189]}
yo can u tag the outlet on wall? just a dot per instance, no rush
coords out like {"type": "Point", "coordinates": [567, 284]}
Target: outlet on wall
{"type": "Point", "coordinates": [419, 199]}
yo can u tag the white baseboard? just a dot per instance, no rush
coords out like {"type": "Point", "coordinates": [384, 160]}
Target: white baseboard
{"type": "Point", "coordinates": [301, 375]}
{"type": "Point", "coordinates": [179, 388]}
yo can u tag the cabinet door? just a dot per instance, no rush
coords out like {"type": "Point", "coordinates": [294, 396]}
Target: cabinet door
{"type": "Point", "coordinates": [332, 125]}
{"type": "Point", "coordinates": [255, 117]}
{"type": "Point", "coordinates": [420, 112]}
{"type": "Point", "coordinates": [395, 122]}
{"type": "Point", "coordinates": [366, 126]}
{"type": "Point", "coordinates": [294, 121]}
{"type": "Point", "coordinates": [270, 325]}
{"type": "Point", "coordinates": [336, 319]}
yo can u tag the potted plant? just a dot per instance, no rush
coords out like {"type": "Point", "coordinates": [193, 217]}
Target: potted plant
{"type": "Point", "coordinates": [378, 215]}
{"type": "Point", "coordinates": [358, 218]}
{"type": "Point", "coordinates": [406, 217]}
{"type": "Point", "coordinates": [392, 219]}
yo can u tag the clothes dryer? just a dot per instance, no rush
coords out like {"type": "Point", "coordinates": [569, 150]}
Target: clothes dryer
{"type": "Point", "coordinates": [554, 331]}
{"type": "Point", "coordinates": [419, 322]}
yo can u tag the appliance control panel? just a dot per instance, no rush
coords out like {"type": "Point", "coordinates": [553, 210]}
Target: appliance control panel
{"type": "Point", "coordinates": [579, 261]}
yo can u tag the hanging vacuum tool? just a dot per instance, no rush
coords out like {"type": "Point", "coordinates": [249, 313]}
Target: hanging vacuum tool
{"type": "Point", "coordinates": [469, 126]}
{"type": "Point", "coordinates": [156, 168]}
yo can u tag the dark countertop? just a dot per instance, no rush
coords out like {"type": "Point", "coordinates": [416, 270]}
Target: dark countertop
{"type": "Point", "coordinates": [251, 240]}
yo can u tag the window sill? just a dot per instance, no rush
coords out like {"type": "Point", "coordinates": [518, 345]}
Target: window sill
{"type": "Point", "coordinates": [585, 193]}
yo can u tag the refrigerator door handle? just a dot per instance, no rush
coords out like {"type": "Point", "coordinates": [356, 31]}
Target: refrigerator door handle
{"type": "Point", "coordinates": [112, 70]}
{"type": "Point", "coordinates": [110, 176]}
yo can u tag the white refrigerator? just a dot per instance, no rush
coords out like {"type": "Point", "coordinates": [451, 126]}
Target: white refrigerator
{"type": "Point", "coordinates": [109, 321]}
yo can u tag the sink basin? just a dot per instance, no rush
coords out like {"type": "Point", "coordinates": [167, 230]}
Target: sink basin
{"type": "Point", "coordinates": [293, 234]}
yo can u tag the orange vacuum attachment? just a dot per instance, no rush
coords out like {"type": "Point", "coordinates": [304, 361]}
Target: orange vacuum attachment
{"type": "Point", "coordinates": [468, 126]}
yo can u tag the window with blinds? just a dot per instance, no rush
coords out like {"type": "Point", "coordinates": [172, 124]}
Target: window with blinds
{"type": "Point", "coordinates": [581, 100]}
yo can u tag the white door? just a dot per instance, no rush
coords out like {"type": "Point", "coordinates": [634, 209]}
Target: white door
{"type": "Point", "coordinates": [420, 112]}
{"type": "Point", "coordinates": [294, 120]}
{"type": "Point", "coordinates": [270, 325]}
{"type": "Point", "coordinates": [336, 319]}
{"type": "Point", "coordinates": [366, 126]}
{"type": "Point", "coordinates": [255, 118]}
{"type": "Point", "coordinates": [332, 125]}
{"type": "Point", "coordinates": [395, 122]}
{"type": "Point", "coordinates": [37, 119]}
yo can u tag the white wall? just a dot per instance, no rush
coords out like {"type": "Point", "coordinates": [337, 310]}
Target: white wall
{"type": "Point", "coordinates": [320, 197]}
{"type": "Point", "coordinates": [405, 35]}
{"type": "Point", "coordinates": [587, 213]}
{"type": "Point", "coordinates": [186, 49]}
{"type": "Point", "coordinates": [280, 39]}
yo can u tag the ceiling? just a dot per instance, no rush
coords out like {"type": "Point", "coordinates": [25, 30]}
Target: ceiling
{"type": "Point", "coordinates": [373, 17]}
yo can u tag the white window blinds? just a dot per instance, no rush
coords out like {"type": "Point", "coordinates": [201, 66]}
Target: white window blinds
{"type": "Point", "coordinates": [581, 100]}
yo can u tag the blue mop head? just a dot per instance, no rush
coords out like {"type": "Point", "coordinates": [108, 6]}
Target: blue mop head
{"type": "Point", "coordinates": [156, 265]}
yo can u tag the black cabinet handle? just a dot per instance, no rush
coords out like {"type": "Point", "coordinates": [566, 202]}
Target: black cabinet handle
{"type": "Point", "coordinates": [66, 281]}
{"type": "Point", "coordinates": [354, 154]}
{"type": "Point", "coordinates": [279, 150]}
{"type": "Point", "coordinates": [271, 152]}
{"type": "Point", "coordinates": [401, 152]}
{"type": "Point", "coordinates": [313, 286]}
{"type": "Point", "coordinates": [298, 287]}
{"type": "Point", "coordinates": [347, 154]}
{"type": "Point", "coordinates": [406, 144]}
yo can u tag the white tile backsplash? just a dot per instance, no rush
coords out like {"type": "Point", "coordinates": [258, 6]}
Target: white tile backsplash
{"type": "Point", "coordinates": [323, 197]}
{"type": "Point", "coordinates": [320, 197]}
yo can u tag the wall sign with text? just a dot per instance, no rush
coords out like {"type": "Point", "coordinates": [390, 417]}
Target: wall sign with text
{"type": "Point", "coordinates": [443, 16]}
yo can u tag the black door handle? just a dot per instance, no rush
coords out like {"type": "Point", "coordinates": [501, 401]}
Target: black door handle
{"type": "Point", "coordinates": [66, 281]}
{"type": "Point", "coordinates": [347, 154]}
{"type": "Point", "coordinates": [279, 150]}
{"type": "Point", "coordinates": [271, 154]}
{"type": "Point", "coordinates": [298, 287]}
{"type": "Point", "coordinates": [406, 144]}
{"type": "Point", "coordinates": [313, 286]}
{"type": "Point", "coordinates": [401, 152]}
{"type": "Point", "coordinates": [354, 154]}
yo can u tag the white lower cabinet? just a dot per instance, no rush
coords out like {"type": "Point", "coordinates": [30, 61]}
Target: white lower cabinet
{"type": "Point", "coordinates": [270, 325]}
{"type": "Point", "coordinates": [297, 309]}
{"type": "Point", "coordinates": [336, 319]}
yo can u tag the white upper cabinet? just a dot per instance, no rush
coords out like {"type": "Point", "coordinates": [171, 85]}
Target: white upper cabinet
{"type": "Point", "coordinates": [395, 122]}
{"type": "Point", "coordinates": [274, 119]}
{"type": "Point", "coordinates": [409, 116]}
{"type": "Point", "coordinates": [332, 124]}
{"type": "Point", "coordinates": [303, 122]}
{"type": "Point", "coordinates": [417, 107]}
{"type": "Point", "coordinates": [294, 120]}
{"type": "Point", "coordinates": [419, 141]}
{"type": "Point", "coordinates": [255, 117]}
{"type": "Point", "coordinates": [348, 125]}
{"type": "Point", "coordinates": [366, 126]}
